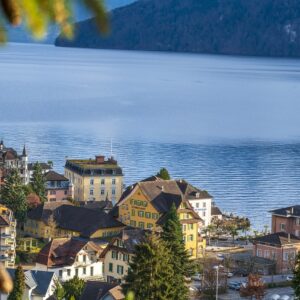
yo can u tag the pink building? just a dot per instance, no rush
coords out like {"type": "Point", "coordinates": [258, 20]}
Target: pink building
{"type": "Point", "coordinates": [279, 247]}
{"type": "Point", "coordinates": [286, 219]}
{"type": "Point", "coordinates": [58, 187]}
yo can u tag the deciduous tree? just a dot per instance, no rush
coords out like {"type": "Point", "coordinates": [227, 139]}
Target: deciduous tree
{"type": "Point", "coordinates": [73, 288]}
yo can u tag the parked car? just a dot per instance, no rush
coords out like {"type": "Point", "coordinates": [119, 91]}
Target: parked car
{"type": "Point", "coordinates": [242, 273]}
{"type": "Point", "coordinates": [229, 274]}
{"type": "Point", "coordinates": [289, 277]}
{"type": "Point", "coordinates": [234, 285]}
{"type": "Point", "coordinates": [197, 277]}
{"type": "Point", "coordinates": [220, 256]}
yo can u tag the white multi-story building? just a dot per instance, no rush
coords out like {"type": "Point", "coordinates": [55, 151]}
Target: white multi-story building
{"type": "Point", "coordinates": [69, 257]}
{"type": "Point", "coordinates": [7, 237]}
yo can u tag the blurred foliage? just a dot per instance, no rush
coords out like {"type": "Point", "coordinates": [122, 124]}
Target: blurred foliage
{"type": "Point", "coordinates": [37, 15]}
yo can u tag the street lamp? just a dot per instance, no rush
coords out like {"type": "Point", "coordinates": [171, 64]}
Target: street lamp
{"type": "Point", "coordinates": [217, 284]}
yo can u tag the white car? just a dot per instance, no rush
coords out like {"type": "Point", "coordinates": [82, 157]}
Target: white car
{"type": "Point", "coordinates": [229, 274]}
{"type": "Point", "coordinates": [197, 277]}
{"type": "Point", "coordinates": [289, 277]}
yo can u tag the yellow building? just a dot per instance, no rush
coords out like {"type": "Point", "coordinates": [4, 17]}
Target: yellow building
{"type": "Point", "coordinates": [95, 179]}
{"type": "Point", "coordinates": [146, 203]}
{"type": "Point", "coordinates": [62, 219]}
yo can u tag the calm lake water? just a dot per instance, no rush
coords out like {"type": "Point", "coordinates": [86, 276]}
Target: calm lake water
{"type": "Point", "coordinates": [229, 125]}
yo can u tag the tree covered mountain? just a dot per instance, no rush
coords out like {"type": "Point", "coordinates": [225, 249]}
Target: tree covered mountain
{"type": "Point", "coordinates": [246, 27]}
{"type": "Point", "coordinates": [20, 34]}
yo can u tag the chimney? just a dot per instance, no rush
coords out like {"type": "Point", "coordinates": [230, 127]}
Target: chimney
{"type": "Point", "coordinates": [100, 159]}
{"type": "Point", "coordinates": [292, 210]}
{"type": "Point", "coordinates": [162, 188]}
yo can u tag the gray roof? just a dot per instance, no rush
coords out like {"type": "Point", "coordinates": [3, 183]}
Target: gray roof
{"type": "Point", "coordinates": [290, 211]}
{"type": "Point", "coordinates": [38, 280]}
{"type": "Point", "coordinates": [215, 211]}
{"type": "Point", "coordinates": [277, 239]}
{"type": "Point", "coordinates": [95, 290]}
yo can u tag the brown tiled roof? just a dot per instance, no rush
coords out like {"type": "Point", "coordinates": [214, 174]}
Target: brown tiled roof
{"type": "Point", "coordinates": [277, 239]}
{"type": "Point", "coordinates": [54, 176]}
{"type": "Point", "coordinates": [117, 293]}
{"type": "Point", "coordinates": [63, 251]}
{"type": "Point", "coordinates": [80, 219]}
{"type": "Point", "coordinates": [215, 211]}
{"type": "Point", "coordinates": [163, 194]}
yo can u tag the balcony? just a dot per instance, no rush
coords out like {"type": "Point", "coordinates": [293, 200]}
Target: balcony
{"type": "Point", "coordinates": [6, 247]}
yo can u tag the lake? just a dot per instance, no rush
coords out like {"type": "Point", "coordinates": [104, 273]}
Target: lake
{"type": "Point", "coordinates": [229, 125]}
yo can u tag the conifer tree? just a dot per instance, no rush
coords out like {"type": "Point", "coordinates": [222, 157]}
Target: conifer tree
{"type": "Point", "coordinates": [163, 174]}
{"type": "Point", "coordinates": [38, 182]}
{"type": "Point", "coordinates": [13, 195]}
{"type": "Point", "coordinates": [296, 279]}
{"type": "Point", "coordinates": [172, 235]}
{"type": "Point", "coordinates": [150, 272]}
{"type": "Point", "coordinates": [19, 285]}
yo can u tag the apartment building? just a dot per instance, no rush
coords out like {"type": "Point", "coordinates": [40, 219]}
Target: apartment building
{"type": "Point", "coordinates": [95, 179]}
{"type": "Point", "coordinates": [7, 237]}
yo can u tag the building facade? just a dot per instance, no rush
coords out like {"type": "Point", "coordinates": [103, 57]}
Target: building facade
{"type": "Point", "coordinates": [286, 219]}
{"type": "Point", "coordinates": [10, 159]}
{"type": "Point", "coordinates": [95, 179]}
{"type": "Point", "coordinates": [58, 187]}
{"type": "Point", "coordinates": [145, 205]}
{"type": "Point", "coordinates": [71, 257]}
{"type": "Point", "coordinates": [280, 247]}
{"type": "Point", "coordinates": [118, 253]}
{"type": "Point", "coordinates": [7, 237]}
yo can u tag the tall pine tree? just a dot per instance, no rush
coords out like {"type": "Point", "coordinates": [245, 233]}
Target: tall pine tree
{"type": "Point", "coordinates": [13, 195]}
{"type": "Point", "coordinates": [163, 174]}
{"type": "Point", "coordinates": [38, 182]}
{"type": "Point", "coordinates": [182, 265]}
{"type": "Point", "coordinates": [19, 285]}
{"type": "Point", "coordinates": [150, 272]}
{"type": "Point", "coordinates": [296, 279]}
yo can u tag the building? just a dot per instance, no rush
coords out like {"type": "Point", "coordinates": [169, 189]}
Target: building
{"type": "Point", "coordinates": [62, 219]}
{"type": "Point", "coordinates": [7, 237]}
{"type": "Point", "coordinates": [201, 201]}
{"type": "Point", "coordinates": [280, 247]}
{"type": "Point", "coordinates": [44, 166]}
{"type": "Point", "coordinates": [98, 290]}
{"type": "Point", "coordinates": [10, 159]}
{"type": "Point", "coordinates": [58, 187]}
{"type": "Point", "coordinates": [145, 205]}
{"type": "Point", "coordinates": [95, 179]}
{"type": "Point", "coordinates": [286, 219]}
{"type": "Point", "coordinates": [118, 253]}
{"type": "Point", "coordinates": [39, 285]}
{"type": "Point", "coordinates": [69, 257]}
{"type": "Point", "coordinates": [216, 213]}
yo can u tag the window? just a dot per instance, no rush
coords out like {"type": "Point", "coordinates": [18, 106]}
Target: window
{"type": "Point", "coordinates": [84, 271]}
{"type": "Point", "coordinates": [113, 191]}
{"type": "Point", "coordinates": [92, 271]}
{"type": "Point", "coordinates": [133, 212]}
{"type": "Point", "coordinates": [91, 192]}
{"type": "Point", "coordinates": [191, 226]}
{"type": "Point", "coordinates": [298, 221]}
{"type": "Point", "coordinates": [68, 272]}
{"type": "Point", "coordinates": [141, 214]}
{"type": "Point", "coordinates": [141, 225]}
{"type": "Point", "coordinates": [66, 192]}
{"type": "Point", "coordinates": [259, 253]}
{"type": "Point", "coordinates": [148, 215]}
{"type": "Point", "coordinates": [84, 258]}
{"type": "Point", "coordinates": [102, 181]}
{"type": "Point", "coordinates": [282, 227]}
{"type": "Point", "coordinates": [91, 181]}
{"type": "Point", "coordinates": [120, 270]}
{"type": "Point", "coordinates": [60, 273]}
{"type": "Point", "coordinates": [114, 255]}
{"type": "Point", "coordinates": [133, 223]}
{"type": "Point", "coordinates": [184, 227]}
{"type": "Point", "coordinates": [204, 204]}
{"type": "Point", "coordinates": [197, 205]}
{"type": "Point", "coordinates": [52, 192]}
{"type": "Point", "coordinates": [154, 216]}
{"type": "Point", "coordinates": [113, 181]}
{"type": "Point", "coordinates": [110, 267]}
{"type": "Point", "coordinates": [52, 199]}
{"type": "Point", "coordinates": [76, 272]}
{"type": "Point", "coordinates": [190, 238]}
{"type": "Point", "coordinates": [184, 238]}
{"type": "Point", "coordinates": [149, 225]}
{"type": "Point", "coordinates": [102, 191]}
{"type": "Point", "coordinates": [267, 253]}
{"type": "Point", "coordinates": [204, 214]}
{"type": "Point", "coordinates": [125, 257]}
